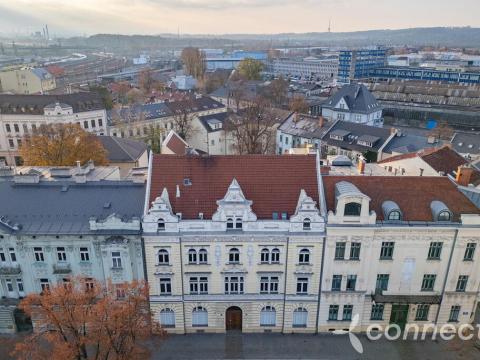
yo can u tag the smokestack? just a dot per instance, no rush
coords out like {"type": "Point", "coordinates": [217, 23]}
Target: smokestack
{"type": "Point", "coordinates": [48, 34]}
{"type": "Point", "coordinates": [361, 166]}
{"type": "Point", "coordinates": [321, 121]}
{"type": "Point", "coordinates": [464, 175]}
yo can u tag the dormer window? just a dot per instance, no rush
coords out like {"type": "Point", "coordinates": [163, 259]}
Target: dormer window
{"type": "Point", "coordinates": [444, 216]}
{"type": "Point", "coordinates": [229, 223]}
{"type": "Point", "coordinates": [307, 224]}
{"type": "Point", "coordinates": [394, 215]}
{"type": "Point", "coordinates": [391, 211]}
{"type": "Point", "coordinates": [352, 209]}
{"type": "Point", "coordinates": [238, 224]}
{"type": "Point", "coordinates": [161, 225]}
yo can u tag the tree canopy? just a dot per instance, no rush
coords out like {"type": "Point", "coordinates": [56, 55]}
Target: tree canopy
{"type": "Point", "coordinates": [194, 62]}
{"type": "Point", "coordinates": [62, 145]}
{"type": "Point", "coordinates": [250, 69]}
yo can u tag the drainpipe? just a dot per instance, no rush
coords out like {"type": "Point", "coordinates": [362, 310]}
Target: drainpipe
{"type": "Point", "coordinates": [321, 280]}
{"type": "Point", "coordinates": [446, 275]}
{"type": "Point", "coordinates": [183, 290]}
{"type": "Point", "coordinates": [285, 285]}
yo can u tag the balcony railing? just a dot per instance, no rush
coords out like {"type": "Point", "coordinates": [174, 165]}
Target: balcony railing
{"type": "Point", "coordinates": [12, 269]}
{"type": "Point", "coordinates": [62, 268]}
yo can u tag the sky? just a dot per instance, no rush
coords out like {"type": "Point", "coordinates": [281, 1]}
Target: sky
{"type": "Point", "coordinates": [78, 17]}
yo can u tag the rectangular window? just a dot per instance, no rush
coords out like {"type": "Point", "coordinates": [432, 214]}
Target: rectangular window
{"type": "Point", "coordinates": [165, 286]}
{"type": "Point", "coordinates": [377, 312]}
{"type": "Point", "coordinates": [355, 251]}
{"type": "Point", "coordinates": [382, 282]}
{"type": "Point", "coordinates": [19, 142]}
{"type": "Point", "coordinates": [462, 283]}
{"type": "Point", "coordinates": [337, 283]}
{"type": "Point", "coordinates": [340, 250]}
{"type": "Point", "coordinates": [13, 256]}
{"type": "Point", "coordinates": [92, 122]}
{"type": "Point", "coordinates": [84, 255]}
{"type": "Point", "coordinates": [38, 253]}
{"type": "Point", "coordinates": [100, 122]}
{"type": "Point", "coordinates": [302, 286]}
{"type": "Point", "coordinates": [20, 286]}
{"type": "Point", "coordinates": [469, 251]}
{"type": "Point", "coordinates": [9, 284]}
{"type": "Point", "coordinates": [333, 312]}
{"type": "Point", "coordinates": [3, 258]}
{"type": "Point", "coordinates": [269, 285]}
{"type": "Point", "coordinates": [85, 124]}
{"type": "Point", "coordinates": [435, 250]}
{"type": "Point", "coordinates": [25, 128]}
{"type": "Point", "coordinates": [61, 254]}
{"type": "Point", "coordinates": [116, 260]}
{"type": "Point", "coordinates": [234, 285]}
{"type": "Point", "coordinates": [347, 312]}
{"type": "Point", "coordinates": [386, 253]}
{"type": "Point", "coordinates": [454, 312]}
{"type": "Point", "coordinates": [8, 128]}
{"type": "Point", "coordinates": [44, 284]}
{"type": "Point", "coordinates": [428, 282]}
{"type": "Point", "coordinates": [198, 285]}
{"type": "Point", "coordinates": [16, 128]}
{"type": "Point", "coordinates": [11, 143]}
{"type": "Point", "coordinates": [422, 312]}
{"type": "Point", "coordinates": [351, 282]}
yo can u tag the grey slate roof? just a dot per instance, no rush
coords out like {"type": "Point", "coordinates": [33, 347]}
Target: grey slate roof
{"type": "Point", "coordinates": [306, 126]}
{"type": "Point", "coordinates": [122, 149]}
{"type": "Point", "coordinates": [407, 143]}
{"type": "Point", "coordinates": [34, 104]}
{"type": "Point", "coordinates": [207, 120]}
{"type": "Point", "coordinates": [357, 97]}
{"type": "Point", "coordinates": [65, 208]}
{"type": "Point", "coordinates": [352, 132]}
{"type": "Point", "coordinates": [466, 143]}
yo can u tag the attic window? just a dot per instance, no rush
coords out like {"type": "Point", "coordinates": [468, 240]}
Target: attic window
{"type": "Point", "coordinates": [229, 223]}
{"type": "Point", "coordinates": [444, 216]}
{"type": "Point", "coordinates": [238, 224]}
{"type": "Point", "coordinates": [352, 209]}
{"type": "Point", "coordinates": [307, 224]}
{"type": "Point", "coordinates": [284, 216]}
{"type": "Point", "coordinates": [275, 216]}
{"type": "Point", "coordinates": [394, 215]}
{"type": "Point", "coordinates": [187, 182]}
{"type": "Point", "coordinates": [161, 225]}
{"type": "Point", "coordinates": [107, 205]}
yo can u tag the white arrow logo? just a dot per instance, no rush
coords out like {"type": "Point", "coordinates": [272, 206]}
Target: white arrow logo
{"type": "Point", "coordinates": [354, 340]}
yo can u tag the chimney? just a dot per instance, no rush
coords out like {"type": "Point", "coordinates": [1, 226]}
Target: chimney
{"type": "Point", "coordinates": [321, 121]}
{"type": "Point", "coordinates": [295, 117]}
{"type": "Point", "coordinates": [464, 175]}
{"type": "Point", "coordinates": [393, 131]}
{"type": "Point", "coordinates": [361, 166]}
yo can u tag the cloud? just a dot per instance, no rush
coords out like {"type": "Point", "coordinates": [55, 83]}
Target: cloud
{"type": "Point", "coordinates": [226, 4]}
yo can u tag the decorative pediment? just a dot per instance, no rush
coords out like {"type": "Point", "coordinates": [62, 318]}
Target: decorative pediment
{"type": "Point", "coordinates": [305, 203]}
{"type": "Point", "coordinates": [161, 209]}
{"type": "Point", "coordinates": [306, 212]}
{"type": "Point", "coordinates": [234, 204]}
{"type": "Point", "coordinates": [114, 222]}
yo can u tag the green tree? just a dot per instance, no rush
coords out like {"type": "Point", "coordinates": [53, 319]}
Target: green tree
{"type": "Point", "coordinates": [250, 69]}
{"type": "Point", "coordinates": [154, 138]}
{"type": "Point", "coordinates": [104, 94]}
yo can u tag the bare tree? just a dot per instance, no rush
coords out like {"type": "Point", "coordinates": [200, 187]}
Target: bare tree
{"type": "Point", "coordinates": [183, 116]}
{"type": "Point", "coordinates": [253, 128]}
{"type": "Point", "coordinates": [194, 62]}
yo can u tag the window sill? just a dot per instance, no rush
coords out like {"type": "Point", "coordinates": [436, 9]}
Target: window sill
{"type": "Point", "coordinates": [163, 264]}
{"type": "Point", "coordinates": [386, 259]}
{"type": "Point", "coordinates": [299, 326]}
{"type": "Point", "coordinates": [269, 325]}
{"type": "Point", "coordinates": [197, 326]}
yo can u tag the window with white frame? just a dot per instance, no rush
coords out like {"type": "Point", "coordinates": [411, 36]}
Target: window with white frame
{"type": "Point", "coordinates": [84, 254]}
{"type": "Point", "coordinates": [234, 256]}
{"type": "Point", "coordinates": [304, 256]}
{"type": "Point", "coordinates": [347, 312]}
{"type": "Point", "coordinates": [302, 286]}
{"type": "Point", "coordinates": [198, 285]}
{"type": "Point", "coordinates": [3, 258]}
{"type": "Point", "coordinates": [192, 256]}
{"type": "Point", "coordinates": [167, 318]}
{"type": "Point", "coordinates": [44, 285]}
{"type": "Point", "coordinates": [229, 224]}
{"type": "Point", "coordinates": [61, 254]}
{"type": "Point", "coordinates": [38, 253]}
{"type": "Point", "coordinates": [300, 316]}
{"type": "Point", "coordinates": [269, 285]}
{"type": "Point", "coordinates": [265, 256]}
{"type": "Point", "coordinates": [233, 285]}
{"type": "Point", "coordinates": [161, 225]}
{"type": "Point", "coordinates": [165, 286]}
{"type": "Point", "coordinates": [275, 256]}
{"type": "Point", "coordinates": [199, 316]}
{"type": "Point", "coordinates": [202, 256]}
{"type": "Point", "coordinates": [163, 257]}
{"type": "Point", "coordinates": [307, 225]}
{"type": "Point", "coordinates": [9, 284]}
{"type": "Point", "coordinates": [116, 260]}
{"type": "Point", "coordinates": [268, 316]}
{"type": "Point", "coordinates": [238, 224]}
{"type": "Point", "coordinates": [20, 288]}
{"type": "Point", "coordinates": [13, 255]}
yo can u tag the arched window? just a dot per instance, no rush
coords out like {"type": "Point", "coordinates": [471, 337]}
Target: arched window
{"type": "Point", "coordinates": [202, 256]}
{"type": "Point", "coordinates": [444, 216]}
{"type": "Point", "coordinates": [306, 224]}
{"type": "Point", "coordinates": [167, 318]}
{"type": "Point", "coordinates": [394, 215]}
{"type": "Point", "coordinates": [161, 225]}
{"type": "Point", "coordinates": [199, 316]}
{"type": "Point", "coordinates": [192, 256]}
{"type": "Point", "coordinates": [229, 223]}
{"type": "Point", "coordinates": [275, 256]}
{"type": "Point", "coordinates": [163, 257]}
{"type": "Point", "coordinates": [238, 224]}
{"type": "Point", "coordinates": [265, 256]}
{"type": "Point", "coordinates": [268, 316]}
{"type": "Point", "coordinates": [352, 209]}
{"type": "Point", "coordinates": [234, 256]}
{"type": "Point", "coordinates": [300, 316]}
{"type": "Point", "coordinates": [304, 256]}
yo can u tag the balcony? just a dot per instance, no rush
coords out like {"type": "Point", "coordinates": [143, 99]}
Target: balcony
{"type": "Point", "coordinates": [12, 269]}
{"type": "Point", "coordinates": [62, 268]}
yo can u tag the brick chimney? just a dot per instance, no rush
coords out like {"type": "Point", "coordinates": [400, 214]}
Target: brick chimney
{"type": "Point", "coordinates": [361, 166]}
{"type": "Point", "coordinates": [321, 121]}
{"type": "Point", "coordinates": [464, 175]}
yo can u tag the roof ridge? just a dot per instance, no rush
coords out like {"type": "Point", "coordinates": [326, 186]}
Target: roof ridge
{"type": "Point", "coordinates": [121, 147]}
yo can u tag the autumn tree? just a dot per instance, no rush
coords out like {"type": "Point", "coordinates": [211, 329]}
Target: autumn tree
{"type": "Point", "coordinates": [298, 104]}
{"type": "Point", "coordinates": [83, 319]}
{"type": "Point", "coordinates": [250, 69]}
{"type": "Point", "coordinates": [154, 138]}
{"type": "Point", "coordinates": [253, 128]}
{"type": "Point", "coordinates": [183, 116]}
{"type": "Point", "coordinates": [104, 94]}
{"type": "Point", "coordinates": [62, 145]}
{"type": "Point", "coordinates": [194, 62]}
{"type": "Point", "coordinates": [146, 81]}
{"type": "Point", "coordinates": [135, 96]}
{"type": "Point", "coordinates": [277, 91]}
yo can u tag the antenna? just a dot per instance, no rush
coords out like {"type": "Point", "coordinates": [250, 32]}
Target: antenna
{"type": "Point", "coordinates": [329, 25]}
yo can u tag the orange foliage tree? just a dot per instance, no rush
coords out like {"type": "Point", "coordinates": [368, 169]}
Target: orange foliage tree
{"type": "Point", "coordinates": [83, 319]}
{"type": "Point", "coordinates": [62, 145]}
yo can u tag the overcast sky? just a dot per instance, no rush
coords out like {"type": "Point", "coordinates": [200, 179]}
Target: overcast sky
{"type": "Point", "coordinates": [231, 16]}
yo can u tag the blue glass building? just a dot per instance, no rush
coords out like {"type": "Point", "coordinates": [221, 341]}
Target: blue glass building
{"type": "Point", "coordinates": [357, 64]}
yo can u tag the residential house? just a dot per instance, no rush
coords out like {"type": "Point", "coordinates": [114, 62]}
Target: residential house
{"type": "Point", "coordinates": [27, 81]}
{"type": "Point", "coordinates": [125, 153]}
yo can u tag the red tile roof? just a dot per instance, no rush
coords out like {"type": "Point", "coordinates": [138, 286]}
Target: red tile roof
{"type": "Point", "coordinates": [412, 194]}
{"type": "Point", "coordinates": [176, 144]}
{"type": "Point", "coordinates": [444, 160]}
{"type": "Point", "coordinates": [272, 182]}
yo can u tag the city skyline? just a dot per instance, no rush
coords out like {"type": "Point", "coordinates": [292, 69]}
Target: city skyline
{"type": "Point", "coordinates": [230, 17]}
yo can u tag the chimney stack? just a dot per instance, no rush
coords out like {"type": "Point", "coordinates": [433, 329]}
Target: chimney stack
{"type": "Point", "coordinates": [321, 121]}
{"type": "Point", "coordinates": [361, 166]}
{"type": "Point", "coordinates": [464, 175]}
